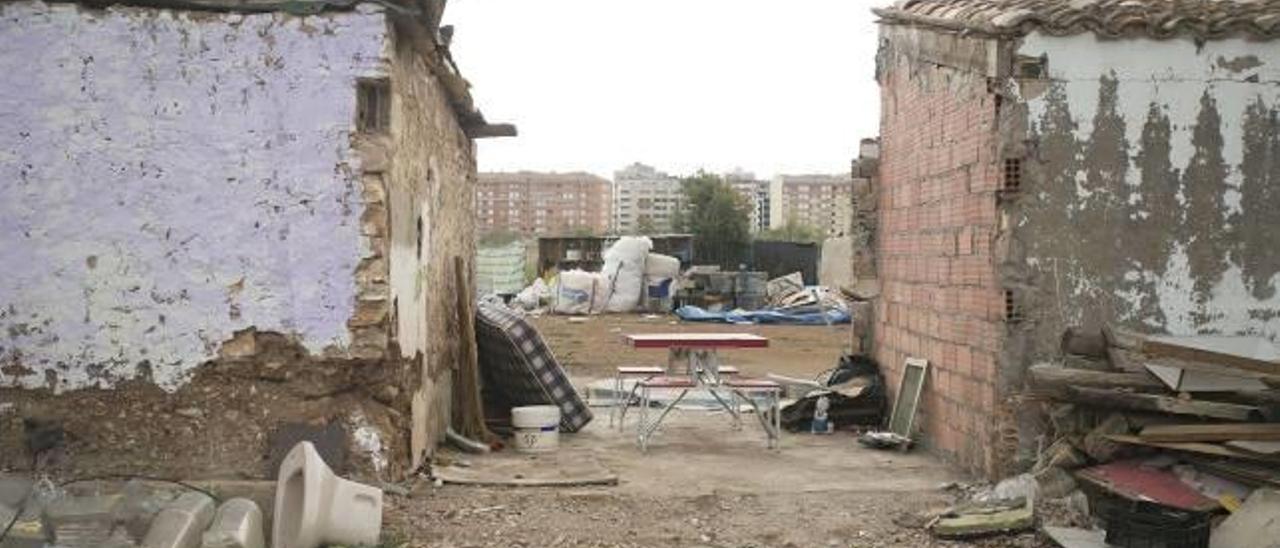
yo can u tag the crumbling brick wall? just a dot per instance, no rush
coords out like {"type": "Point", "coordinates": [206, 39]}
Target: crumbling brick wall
{"type": "Point", "coordinates": [432, 189]}
{"type": "Point", "coordinates": [938, 220]}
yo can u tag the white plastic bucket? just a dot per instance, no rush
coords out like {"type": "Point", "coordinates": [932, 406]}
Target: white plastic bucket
{"type": "Point", "coordinates": [537, 428]}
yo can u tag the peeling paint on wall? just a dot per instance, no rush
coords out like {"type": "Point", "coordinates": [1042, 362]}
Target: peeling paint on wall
{"type": "Point", "coordinates": [1157, 185]}
{"type": "Point", "coordinates": [171, 178]}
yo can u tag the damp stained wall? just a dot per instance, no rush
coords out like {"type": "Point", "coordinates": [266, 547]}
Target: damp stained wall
{"type": "Point", "coordinates": [1152, 191]}
{"type": "Point", "coordinates": [169, 178]}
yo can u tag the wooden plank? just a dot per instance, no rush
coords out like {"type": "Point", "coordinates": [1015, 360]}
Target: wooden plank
{"type": "Point", "coordinates": [1211, 432]}
{"type": "Point", "coordinates": [1123, 338]}
{"type": "Point", "coordinates": [1172, 349]}
{"type": "Point", "coordinates": [1082, 342]}
{"type": "Point", "coordinates": [1189, 380]}
{"type": "Point", "coordinates": [1212, 449]}
{"type": "Point", "coordinates": [1270, 448]}
{"type": "Point", "coordinates": [571, 466]}
{"type": "Point", "coordinates": [465, 477]}
{"type": "Point", "coordinates": [1116, 399]}
{"type": "Point", "coordinates": [484, 131]}
{"type": "Point", "coordinates": [1255, 474]}
{"type": "Point", "coordinates": [1129, 360]}
{"type": "Point", "coordinates": [1045, 375]}
{"type": "Point", "coordinates": [468, 408]}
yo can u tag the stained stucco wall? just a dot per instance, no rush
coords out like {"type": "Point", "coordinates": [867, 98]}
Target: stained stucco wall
{"type": "Point", "coordinates": [1151, 194]}
{"type": "Point", "coordinates": [431, 185]}
{"type": "Point", "coordinates": [170, 178]}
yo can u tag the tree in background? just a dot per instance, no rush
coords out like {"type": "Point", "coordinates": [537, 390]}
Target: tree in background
{"type": "Point", "coordinates": [718, 217]}
{"type": "Point", "coordinates": [499, 238]}
{"type": "Point", "coordinates": [793, 231]}
{"type": "Point", "coordinates": [644, 226]}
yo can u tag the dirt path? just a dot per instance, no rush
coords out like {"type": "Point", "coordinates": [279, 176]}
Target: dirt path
{"type": "Point", "coordinates": [702, 484]}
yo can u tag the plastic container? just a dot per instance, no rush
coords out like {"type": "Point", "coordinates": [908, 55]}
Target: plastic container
{"type": "Point", "coordinates": [537, 428]}
{"type": "Point", "coordinates": [1133, 524]}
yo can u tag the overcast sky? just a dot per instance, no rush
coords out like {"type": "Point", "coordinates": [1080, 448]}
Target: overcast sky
{"type": "Point", "coordinates": [766, 85]}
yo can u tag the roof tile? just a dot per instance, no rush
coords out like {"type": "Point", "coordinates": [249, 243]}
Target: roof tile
{"type": "Point", "coordinates": [1112, 18]}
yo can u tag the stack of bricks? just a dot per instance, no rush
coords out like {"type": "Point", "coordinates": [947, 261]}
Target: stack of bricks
{"type": "Point", "coordinates": [940, 295]}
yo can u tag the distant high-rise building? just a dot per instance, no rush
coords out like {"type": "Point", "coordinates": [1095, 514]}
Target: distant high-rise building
{"type": "Point", "coordinates": [644, 200]}
{"type": "Point", "coordinates": [531, 203]}
{"type": "Point", "coordinates": [757, 194]}
{"type": "Point", "coordinates": [824, 202]}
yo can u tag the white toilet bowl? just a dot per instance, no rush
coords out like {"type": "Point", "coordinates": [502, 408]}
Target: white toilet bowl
{"type": "Point", "coordinates": [315, 507]}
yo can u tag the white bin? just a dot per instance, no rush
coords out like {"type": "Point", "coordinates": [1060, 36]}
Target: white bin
{"type": "Point", "coordinates": [537, 428]}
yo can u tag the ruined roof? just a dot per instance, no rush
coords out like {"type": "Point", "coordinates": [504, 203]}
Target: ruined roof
{"type": "Point", "coordinates": [1111, 18]}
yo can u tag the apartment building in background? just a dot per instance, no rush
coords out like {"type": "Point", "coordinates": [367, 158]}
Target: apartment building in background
{"type": "Point", "coordinates": [532, 203]}
{"type": "Point", "coordinates": [756, 192]}
{"type": "Point", "coordinates": [644, 200]}
{"type": "Point", "coordinates": [822, 201]}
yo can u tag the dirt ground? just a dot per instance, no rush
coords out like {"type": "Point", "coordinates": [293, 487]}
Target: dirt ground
{"type": "Point", "coordinates": [702, 484]}
{"type": "Point", "coordinates": [593, 348]}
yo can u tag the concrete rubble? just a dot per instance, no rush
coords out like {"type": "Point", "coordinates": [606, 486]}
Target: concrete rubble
{"type": "Point", "coordinates": [1147, 462]}
{"type": "Point", "coordinates": [237, 524]}
{"type": "Point", "coordinates": [129, 513]}
{"type": "Point", "coordinates": [179, 525]}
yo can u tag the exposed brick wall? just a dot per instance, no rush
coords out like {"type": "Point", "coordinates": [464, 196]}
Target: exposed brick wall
{"type": "Point", "coordinates": [937, 197]}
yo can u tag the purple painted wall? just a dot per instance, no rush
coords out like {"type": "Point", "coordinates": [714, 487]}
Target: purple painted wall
{"type": "Point", "coordinates": [170, 178]}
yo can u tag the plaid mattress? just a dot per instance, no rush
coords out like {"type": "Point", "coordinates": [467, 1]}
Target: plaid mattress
{"type": "Point", "coordinates": [518, 368]}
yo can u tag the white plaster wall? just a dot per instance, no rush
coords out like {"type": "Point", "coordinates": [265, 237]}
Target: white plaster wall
{"type": "Point", "coordinates": [169, 178]}
{"type": "Point", "coordinates": [1174, 74]}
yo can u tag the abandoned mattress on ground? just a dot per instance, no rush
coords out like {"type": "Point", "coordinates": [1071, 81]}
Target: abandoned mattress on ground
{"type": "Point", "coordinates": [518, 368]}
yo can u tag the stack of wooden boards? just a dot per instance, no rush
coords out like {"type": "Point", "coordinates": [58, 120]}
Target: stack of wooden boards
{"type": "Point", "coordinates": [1140, 417]}
{"type": "Point", "coordinates": [1209, 395]}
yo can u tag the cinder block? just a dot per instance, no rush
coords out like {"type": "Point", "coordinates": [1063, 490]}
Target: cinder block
{"type": "Point", "coordinates": [181, 523]}
{"type": "Point", "coordinates": [237, 524]}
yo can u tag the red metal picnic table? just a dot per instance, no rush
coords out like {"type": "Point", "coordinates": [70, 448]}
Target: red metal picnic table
{"type": "Point", "coordinates": [702, 371]}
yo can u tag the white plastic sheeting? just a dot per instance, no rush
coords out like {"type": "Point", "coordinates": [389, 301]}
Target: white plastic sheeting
{"type": "Point", "coordinates": [624, 264]}
{"type": "Point", "coordinates": [580, 292]}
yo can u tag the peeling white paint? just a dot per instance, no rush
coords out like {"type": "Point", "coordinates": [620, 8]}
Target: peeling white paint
{"type": "Point", "coordinates": [170, 178]}
{"type": "Point", "coordinates": [369, 441]}
{"type": "Point", "coordinates": [1173, 74]}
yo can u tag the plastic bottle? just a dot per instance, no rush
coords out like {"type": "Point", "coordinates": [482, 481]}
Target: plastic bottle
{"type": "Point", "coordinates": [820, 423]}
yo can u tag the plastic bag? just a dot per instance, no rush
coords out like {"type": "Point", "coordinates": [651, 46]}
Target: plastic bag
{"type": "Point", "coordinates": [579, 292]}
{"type": "Point", "coordinates": [624, 264]}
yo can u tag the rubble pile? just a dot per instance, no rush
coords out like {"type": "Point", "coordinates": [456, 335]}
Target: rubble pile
{"type": "Point", "coordinates": [1157, 441]}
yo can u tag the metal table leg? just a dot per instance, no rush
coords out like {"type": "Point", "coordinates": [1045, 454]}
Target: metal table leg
{"type": "Point", "coordinates": [645, 429]}
{"type": "Point", "coordinates": [770, 418]}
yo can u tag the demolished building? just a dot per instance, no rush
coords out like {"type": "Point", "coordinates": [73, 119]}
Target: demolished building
{"type": "Point", "coordinates": [251, 205]}
{"type": "Point", "coordinates": [1049, 164]}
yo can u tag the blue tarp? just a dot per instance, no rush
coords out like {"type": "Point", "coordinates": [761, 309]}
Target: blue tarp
{"type": "Point", "coordinates": [808, 316]}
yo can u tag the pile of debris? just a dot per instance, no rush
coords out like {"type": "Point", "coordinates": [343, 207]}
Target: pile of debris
{"type": "Point", "coordinates": [308, 506]}
{"type": "Point", "coordinates": [785, 300]}
{"type": "Point", "coordinates": [1160, 441]}
{"type": "Point", "coordinates": [632, 279]}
